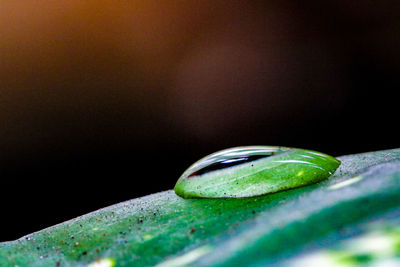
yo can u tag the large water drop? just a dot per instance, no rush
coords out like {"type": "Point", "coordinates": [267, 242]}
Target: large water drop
{"type": "Point", "coordinates": [254, 170]}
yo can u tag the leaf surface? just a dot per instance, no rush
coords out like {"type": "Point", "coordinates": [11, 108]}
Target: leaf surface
{"type": "Point", "coordinates": [165, 229]}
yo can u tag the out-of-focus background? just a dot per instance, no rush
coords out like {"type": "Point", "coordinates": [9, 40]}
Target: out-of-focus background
{"type": "Point", "coordinates": [104, 101]}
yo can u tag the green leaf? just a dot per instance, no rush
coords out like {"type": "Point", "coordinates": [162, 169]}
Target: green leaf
{"type": "Point", "coordinates": [165, 229]}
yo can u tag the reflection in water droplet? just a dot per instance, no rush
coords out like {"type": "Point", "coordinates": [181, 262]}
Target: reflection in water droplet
{"type": "Point", "coordinates": [225, 163]}
{"type": "Point", "coordinates": [252, 171]}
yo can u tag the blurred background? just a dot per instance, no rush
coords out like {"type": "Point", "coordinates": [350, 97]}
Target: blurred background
{"type": "Point", "coordinates": [105, 101]}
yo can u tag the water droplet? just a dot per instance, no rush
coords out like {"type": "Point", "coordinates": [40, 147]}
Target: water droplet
{"type": "Point", "coordinates": [254, 170]}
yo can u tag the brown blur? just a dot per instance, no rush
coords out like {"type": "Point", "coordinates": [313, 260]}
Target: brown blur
{"type": "Point", "coordinates": [111, 86]}
{"type": "Point", "coordinates": [72, 71]}
{"type": "Point", "coordinates": [127, 71]}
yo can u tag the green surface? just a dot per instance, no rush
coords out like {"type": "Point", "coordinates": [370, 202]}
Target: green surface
{"type": "Point", "coordinates": [280, 168]}
{"type": "Point", "coordinates": [377, 245]}
{"type": "Point", "coordinates": [165, 229]}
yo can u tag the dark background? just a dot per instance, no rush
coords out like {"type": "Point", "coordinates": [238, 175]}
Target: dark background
{"type": "Point", "coordinates": [102, 102]}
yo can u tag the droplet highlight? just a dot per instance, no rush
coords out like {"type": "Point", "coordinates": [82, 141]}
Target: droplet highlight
{"type": "Point", "coordinates": [253, 171]}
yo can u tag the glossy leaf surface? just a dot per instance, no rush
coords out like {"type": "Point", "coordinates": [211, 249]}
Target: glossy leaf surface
{"type": "Point", "coordinates": [167, 230]}
{"type": "Point", "coordinates": [253, 171]}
